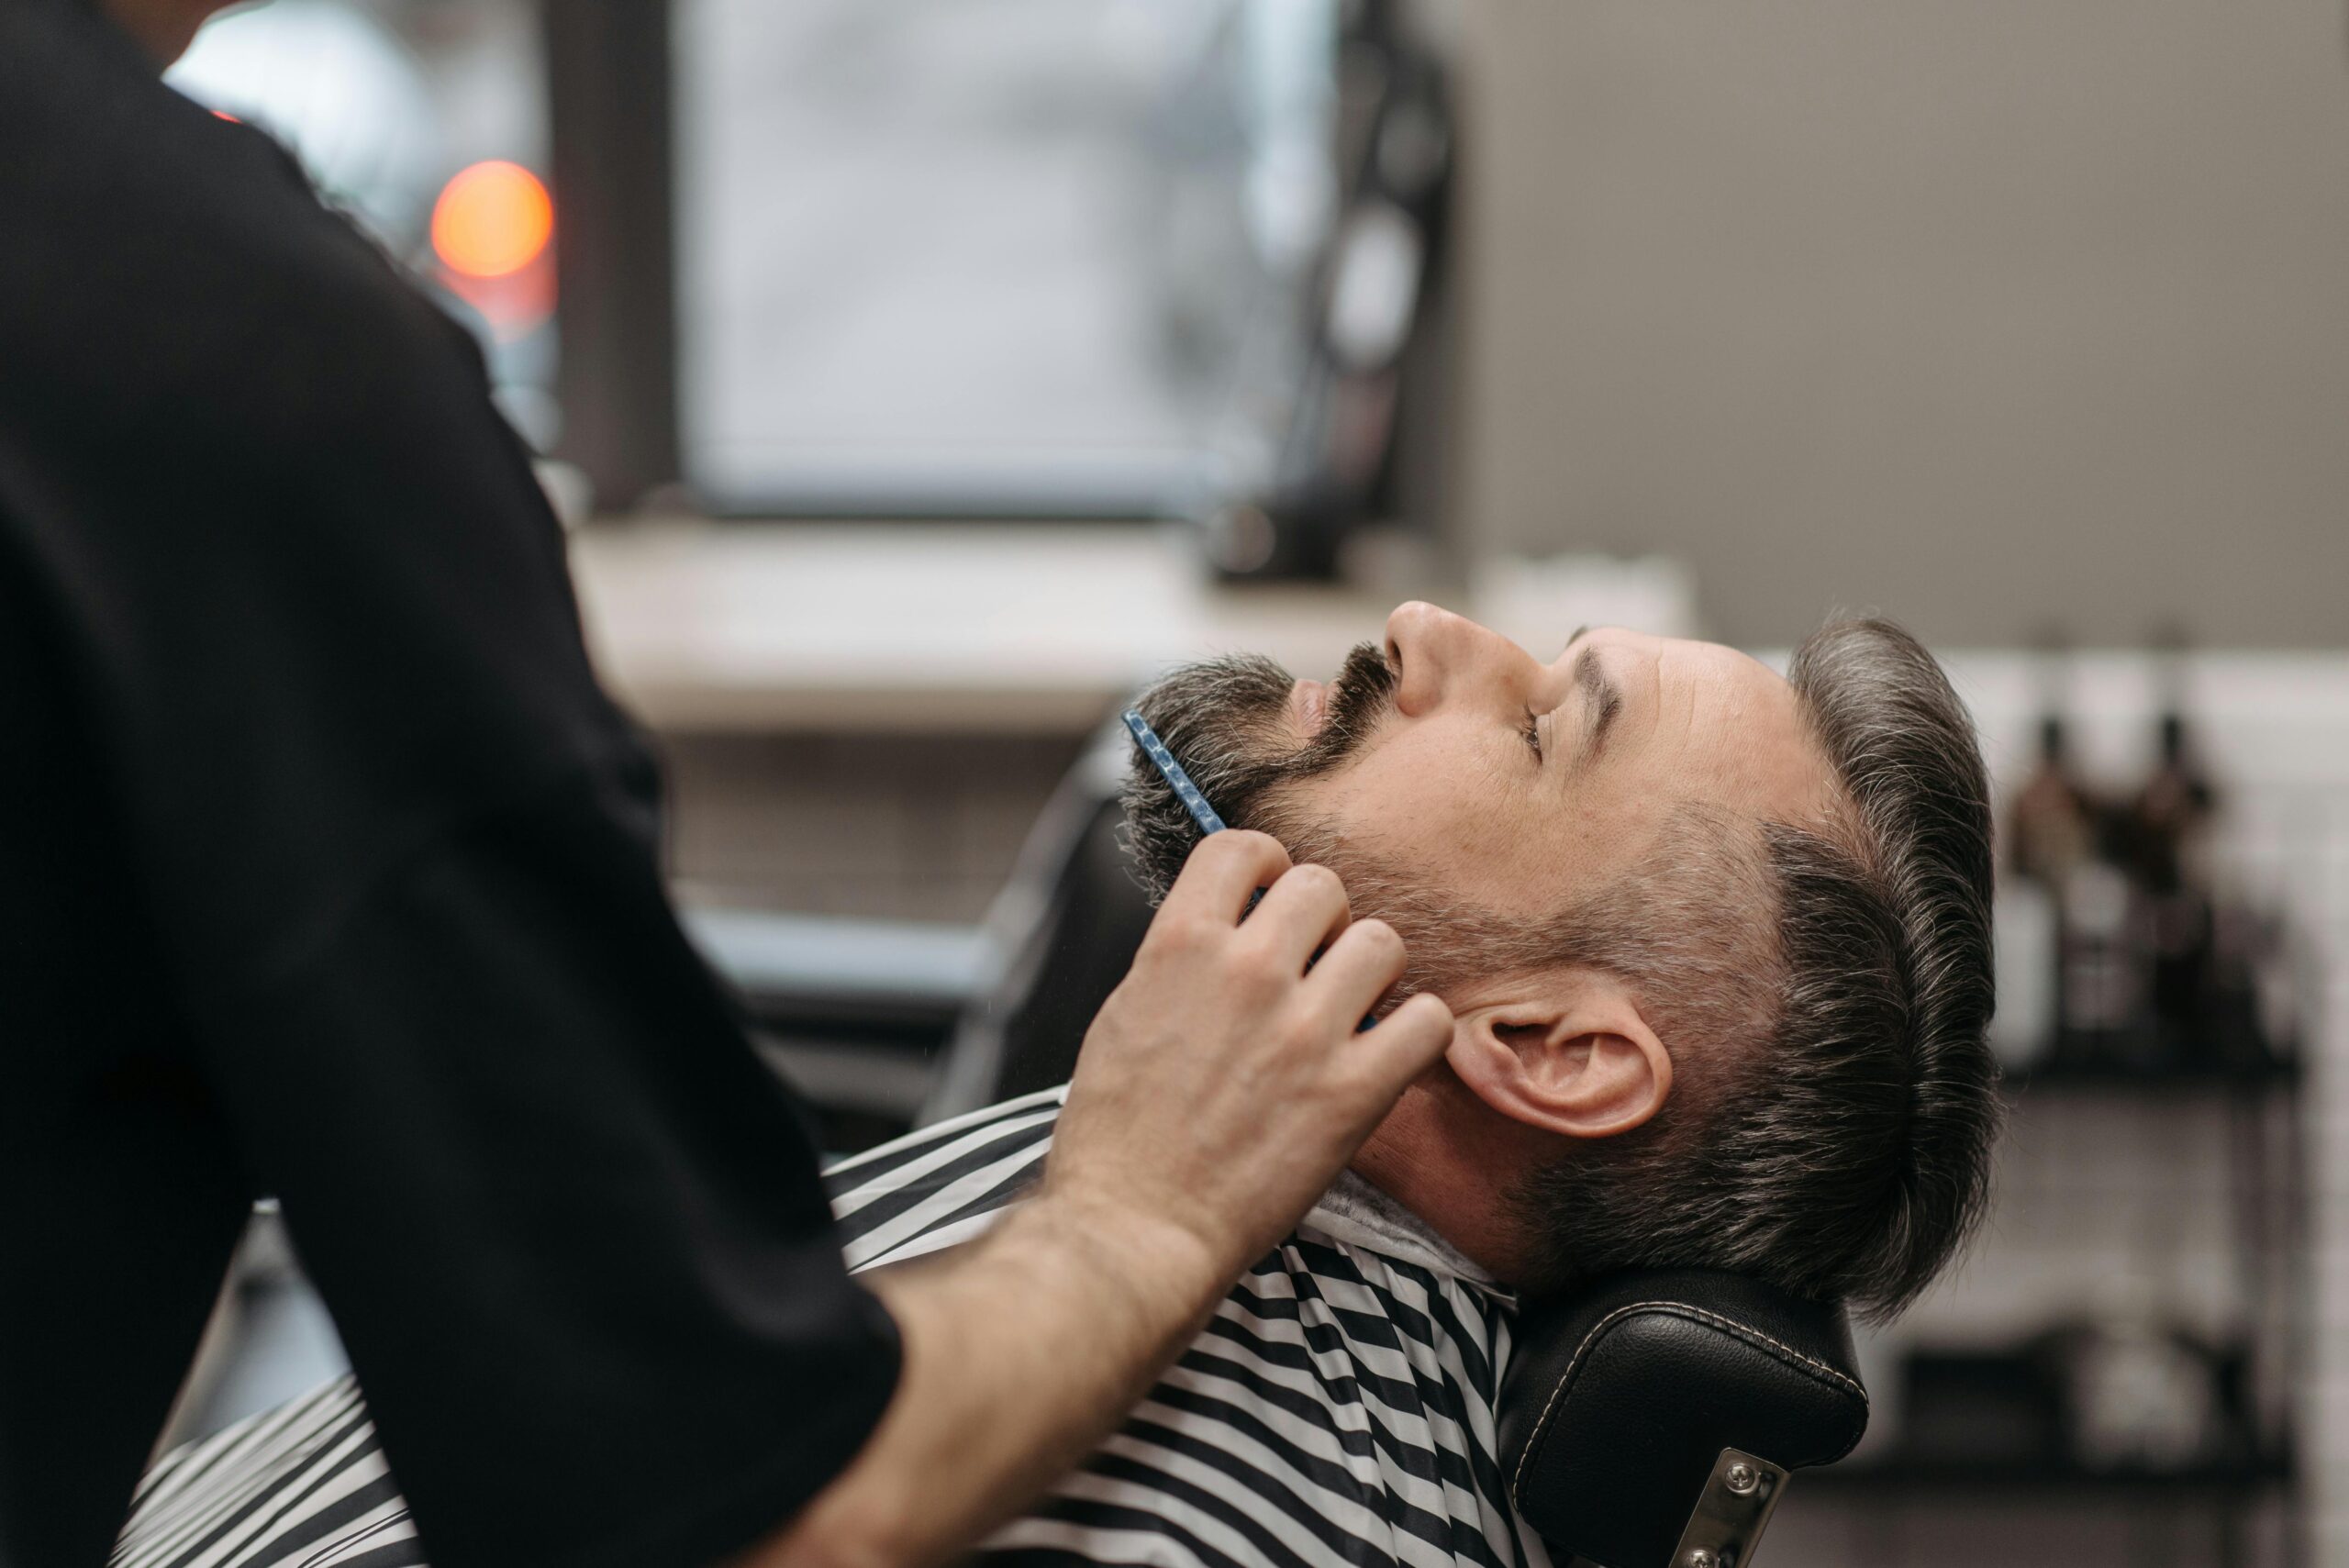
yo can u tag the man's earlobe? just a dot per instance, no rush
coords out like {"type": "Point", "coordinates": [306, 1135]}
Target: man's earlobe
{"type": "Point", "coordinates": [1582, 1063]}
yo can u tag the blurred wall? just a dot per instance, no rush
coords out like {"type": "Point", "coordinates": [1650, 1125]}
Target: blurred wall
{"type": "Point", "coordinates": [1985, 315]}
{"type": "Point", "coordinates": [877, 826]}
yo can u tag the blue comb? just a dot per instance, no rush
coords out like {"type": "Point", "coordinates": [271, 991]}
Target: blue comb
{"type": "Point", "coordinates": [1193, 801]}
{"type": "Point", "coordinates": [1172, 771]}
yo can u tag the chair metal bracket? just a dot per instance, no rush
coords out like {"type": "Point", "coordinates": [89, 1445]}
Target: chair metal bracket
{"type": "Point", "coordinates": [1730, 1513]}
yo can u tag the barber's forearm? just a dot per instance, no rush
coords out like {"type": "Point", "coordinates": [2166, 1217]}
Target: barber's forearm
{"type": "Point", "coordinates": [1220, 1087]}
{"type": "Point", "coordinates": [1021, 1354]}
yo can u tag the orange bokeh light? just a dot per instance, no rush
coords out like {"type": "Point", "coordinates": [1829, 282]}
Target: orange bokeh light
{"type": "Point", "coordinates": [492, 219]}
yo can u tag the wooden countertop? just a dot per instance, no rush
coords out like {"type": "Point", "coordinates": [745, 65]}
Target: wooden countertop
{"type": "Point", "coordinates": [706, 626]}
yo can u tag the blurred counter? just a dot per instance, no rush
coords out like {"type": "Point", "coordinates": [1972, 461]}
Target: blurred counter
{"type": "Point", "coordinates": [887, 627]}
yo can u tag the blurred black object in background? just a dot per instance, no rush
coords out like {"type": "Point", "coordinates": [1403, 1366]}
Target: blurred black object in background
{"type": "Point", "coordinates": [1363, 415]}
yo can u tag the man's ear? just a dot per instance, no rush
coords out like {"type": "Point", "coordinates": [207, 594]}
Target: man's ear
{"type": "Point", "coordinates": [1572, 1056]}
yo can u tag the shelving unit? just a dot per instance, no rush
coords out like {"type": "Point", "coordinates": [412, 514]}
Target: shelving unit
{"type": "Point", "coordinates": [2268, 1173]}
{"type": "Point", "coordinates": [2277, 1469]}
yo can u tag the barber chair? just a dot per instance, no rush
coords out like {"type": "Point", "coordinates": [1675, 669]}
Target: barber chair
{"type": "Point", "coordinates": [1648, 1420]}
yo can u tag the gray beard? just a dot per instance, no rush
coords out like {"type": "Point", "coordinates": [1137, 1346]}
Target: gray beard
{"type": "Point", "coordinates": [1222, 720]}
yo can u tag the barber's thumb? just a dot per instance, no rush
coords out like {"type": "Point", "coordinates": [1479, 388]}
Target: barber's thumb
{"type": "Point", "coordinates": [1409, 1040]}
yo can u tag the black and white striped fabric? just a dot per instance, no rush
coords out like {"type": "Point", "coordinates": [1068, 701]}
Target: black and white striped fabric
{"type": "Point", "coordinates": [1338, 1410]}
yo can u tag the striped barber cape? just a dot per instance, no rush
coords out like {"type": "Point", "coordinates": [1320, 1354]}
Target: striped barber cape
{"type": "Point", "coordinates": [1338, 1409]}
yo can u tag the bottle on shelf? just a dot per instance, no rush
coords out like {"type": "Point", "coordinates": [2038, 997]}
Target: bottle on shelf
{"type": "Point", "coordinates": [2047, 833]}
{"type": "Point", "coordinates": [2103, 972]}
{"type": "Point", "coordinates": [2073, 964]}
{"type": "Point", "coordinates": [2052, 825]}
{"type": "Point", "coordinates": [2169, 828]}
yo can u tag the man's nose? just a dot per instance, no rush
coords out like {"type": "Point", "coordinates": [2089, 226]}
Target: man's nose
{"type": "Point", "coordinates": [1437, 654]}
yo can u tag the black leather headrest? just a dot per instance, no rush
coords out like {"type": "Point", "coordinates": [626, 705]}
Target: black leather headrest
{"type": "Point", "coordinates": [1620, 1397]}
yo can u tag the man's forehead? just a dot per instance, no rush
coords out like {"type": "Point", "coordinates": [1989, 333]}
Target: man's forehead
{"type": "Point", "coordinates": [1748, 719]}
{"type": "Point", "coordinates": [1735, 669]}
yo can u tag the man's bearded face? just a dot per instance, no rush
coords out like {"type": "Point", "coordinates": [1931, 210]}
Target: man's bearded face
{"type": "Point", "coordinates": [1455, 783]}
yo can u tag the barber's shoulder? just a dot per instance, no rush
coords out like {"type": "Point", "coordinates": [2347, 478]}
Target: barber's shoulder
{"type": "Point", "coordinates": [149, 236]}
{"type": "Point", "coordinates": [111, 167]}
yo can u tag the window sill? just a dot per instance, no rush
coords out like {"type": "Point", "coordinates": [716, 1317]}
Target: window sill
{"type": "Point", "coordinates": [750, 628]}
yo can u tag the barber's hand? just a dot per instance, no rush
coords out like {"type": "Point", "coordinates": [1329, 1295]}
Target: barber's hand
{"type": "Point", "coordinates": [1222, 1087]}
{"type": "Point", "coordinates": [1219, 1091]}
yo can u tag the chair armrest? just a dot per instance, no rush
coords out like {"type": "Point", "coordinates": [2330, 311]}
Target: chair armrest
{"type": "Point", "coordinates": [798, 969]}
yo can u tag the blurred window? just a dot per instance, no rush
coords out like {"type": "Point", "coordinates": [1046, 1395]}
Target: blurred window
{"type": "Point", "coordinates": [995, 255]}
{"type": "Point", "coordinates": [425, 120]}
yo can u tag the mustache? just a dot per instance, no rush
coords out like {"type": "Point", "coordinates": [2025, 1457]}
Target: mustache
{"type": "Point", "coordinates": [1360, 695]}
{"type": "Point", "coordinates": [1224, 720]}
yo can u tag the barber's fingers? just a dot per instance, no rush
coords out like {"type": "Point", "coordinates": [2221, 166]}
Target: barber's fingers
{"type": "Point", "coordinates": [1350, 977]}
{"type": "Point", "coordinates": [1364, 960]}
{"type": "Point", "coordinates": [1223, 870]}
{"type": "Point", "coordinates": [1303, 912]}
{"type": "Point", "coordinates": [1404, 1044]}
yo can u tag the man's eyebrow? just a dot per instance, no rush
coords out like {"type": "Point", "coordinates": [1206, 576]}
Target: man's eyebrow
{"type": "Point", "coordinates": [1603, 699]}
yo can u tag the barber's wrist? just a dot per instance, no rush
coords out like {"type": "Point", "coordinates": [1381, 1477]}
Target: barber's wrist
{"type": "Point", "coordinates": [1173, 1269]}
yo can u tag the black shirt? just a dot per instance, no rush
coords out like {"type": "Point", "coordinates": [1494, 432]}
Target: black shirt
{"type": "Point", "coordinates": [327, 871]}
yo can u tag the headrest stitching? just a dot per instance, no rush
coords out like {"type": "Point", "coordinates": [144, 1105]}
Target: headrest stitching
{"type": "Point", "coordinates": [1516, 1482]}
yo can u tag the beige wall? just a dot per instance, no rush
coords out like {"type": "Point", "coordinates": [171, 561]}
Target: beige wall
{"type": "Point", "coordinates": [1986, 314]}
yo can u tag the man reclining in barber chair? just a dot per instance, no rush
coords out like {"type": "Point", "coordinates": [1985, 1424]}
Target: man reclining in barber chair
{"type": "Point", "coordinates": [1717, 946]}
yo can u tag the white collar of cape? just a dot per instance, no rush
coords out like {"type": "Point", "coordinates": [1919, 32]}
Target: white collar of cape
{"type": "Point", "coordinates": [1354, 1214]}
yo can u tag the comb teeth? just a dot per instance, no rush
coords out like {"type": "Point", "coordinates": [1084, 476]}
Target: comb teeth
{"type": "Point", "coordinates": [1172, 771]}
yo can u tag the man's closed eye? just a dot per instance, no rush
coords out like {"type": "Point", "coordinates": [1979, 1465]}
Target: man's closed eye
{"type": "Point", "coordinates": [1602, 700]}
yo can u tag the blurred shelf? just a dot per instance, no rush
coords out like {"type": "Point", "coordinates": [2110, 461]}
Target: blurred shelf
{"type": "Point", "coordinates": [1900, 1473]}
{"type": "Point", "coordinates": [2275, 1072]}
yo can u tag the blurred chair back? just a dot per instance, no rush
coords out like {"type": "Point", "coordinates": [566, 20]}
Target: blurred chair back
{"type": "Point", "coordinates": [1063, 932]}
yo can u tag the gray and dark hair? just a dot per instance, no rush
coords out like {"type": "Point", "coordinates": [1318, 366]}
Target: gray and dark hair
{"type": "Point", "coordinates": [1837, 1140]}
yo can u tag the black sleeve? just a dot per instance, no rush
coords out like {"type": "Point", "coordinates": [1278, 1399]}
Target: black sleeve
{"type": "Point", "coordinates": [569, 1230]}
{"type": "Point", "coordinates": [398, 849]}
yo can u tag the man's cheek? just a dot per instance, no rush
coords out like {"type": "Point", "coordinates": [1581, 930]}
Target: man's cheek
{"type": "Point", "coordinates": [1405, 800]}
